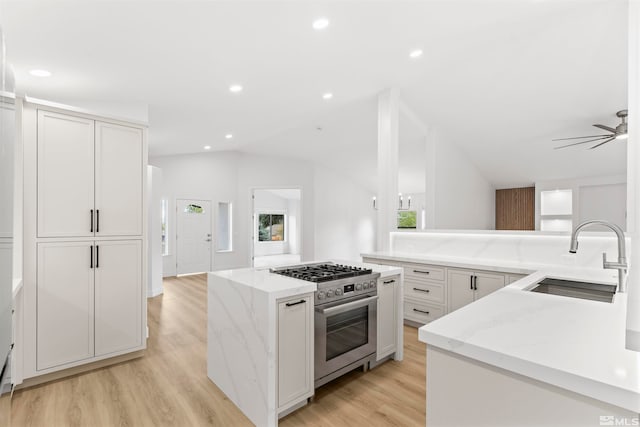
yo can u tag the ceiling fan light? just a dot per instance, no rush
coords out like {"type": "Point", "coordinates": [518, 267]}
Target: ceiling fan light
{"type": "Point", "coordinates": [622, 136]}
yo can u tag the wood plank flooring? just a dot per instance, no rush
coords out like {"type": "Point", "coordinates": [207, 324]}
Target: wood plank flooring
{"type": "Point", "coordinates": [169, 385]}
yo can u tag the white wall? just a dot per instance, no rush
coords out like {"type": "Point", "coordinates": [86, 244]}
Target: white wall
{"type": "Point", "coordinates": [154, 194]}
{"type": "Point", "coordinates": [463, 198]}
{"type": "Point", "coordinates": [345, 218]}
{"type": "Point", "coordinates": [295, 231]}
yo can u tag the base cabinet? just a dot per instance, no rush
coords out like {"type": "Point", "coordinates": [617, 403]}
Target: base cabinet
{"type": "Point", "coordinates": [466, 286]}
{"type": "Point", "coordinates": [295, 350]}
{"type": "Point", "coordinates": [89, 297]}
{"type": "Point", "coordinates": [387, 335]}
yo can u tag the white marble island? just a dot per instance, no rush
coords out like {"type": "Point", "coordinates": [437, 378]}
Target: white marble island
{"type": "Point", "coordinates": [521, 358]}
{"type": "Point", "coordinates": [248, 342]}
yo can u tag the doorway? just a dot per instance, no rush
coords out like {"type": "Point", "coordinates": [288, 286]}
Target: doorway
{"type": "Point", "coordinates": [193, 236]}
{"type": "Point", "coordinates": [276, 228]}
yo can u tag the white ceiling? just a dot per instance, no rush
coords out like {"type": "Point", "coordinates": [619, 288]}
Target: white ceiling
{"type": "Point", "coordinates": [498, 77]}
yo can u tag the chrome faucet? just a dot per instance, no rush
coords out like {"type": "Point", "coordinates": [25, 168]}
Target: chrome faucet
{"type": "Point", "coordinates": [621, 265]}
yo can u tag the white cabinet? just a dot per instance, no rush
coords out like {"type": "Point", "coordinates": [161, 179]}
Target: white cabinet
{"type": "Point", "coordinates": [514, 278]}
{"type": "Point", "coordinates": [89, 300]}
{"type": "Point", "coordinates": [466, 286]}
{"type": "Point", "coordinates": [65, 175]}
{"type": "Point", "coordinates": [90, 177]}
{"type": "Point", "coordinates": [295, 350]}
{"type": "Point", "coordinates": [387, 316]}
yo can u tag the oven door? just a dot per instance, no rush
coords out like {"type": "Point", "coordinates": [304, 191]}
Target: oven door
{"type": "Point", "coordinates": [345, 332]}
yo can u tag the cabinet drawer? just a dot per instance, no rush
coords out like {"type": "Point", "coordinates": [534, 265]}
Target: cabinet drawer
{"type": "Point", "coordinates": [422, 313]}
{"type": "Point", "coordinates": [424, 290]}
{"type": "Point", "coordinates": [422, 272]}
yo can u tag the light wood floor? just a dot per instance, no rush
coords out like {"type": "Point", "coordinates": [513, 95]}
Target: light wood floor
{"type": "Point", "coordinates": [169, 385]}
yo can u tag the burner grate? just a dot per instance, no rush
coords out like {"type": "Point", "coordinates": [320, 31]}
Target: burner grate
{"type": "Point", "coordinates": [322, 272]}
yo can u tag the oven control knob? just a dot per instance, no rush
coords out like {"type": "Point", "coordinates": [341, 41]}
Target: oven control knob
{"type": "Point", "coordinates": [338, 292]}
{"type": "Point", "coordinates": [373, 284]}
{"type": "Point", "coordinates": [329, 293]}
{"type": "Point", "coordinates": [365, 285]}
{"type": "Point", "coordinates": [358, 286]}
{"type": "Point", "coordinates": [320, 295]}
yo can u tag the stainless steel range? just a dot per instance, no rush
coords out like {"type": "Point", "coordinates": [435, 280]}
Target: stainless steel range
{"type": "Point", "coordinates": [345, 316]}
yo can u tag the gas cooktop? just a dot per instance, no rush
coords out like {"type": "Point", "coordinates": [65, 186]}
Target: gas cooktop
{"type": "Point", "coordinates": [322, 272]}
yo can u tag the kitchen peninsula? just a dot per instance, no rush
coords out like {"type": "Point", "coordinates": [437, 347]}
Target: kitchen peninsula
{"type": "Point", "coordinates": [260, 338]}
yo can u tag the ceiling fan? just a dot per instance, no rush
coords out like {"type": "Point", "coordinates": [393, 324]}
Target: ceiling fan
{"type": "Point", "coordinates": [619, 132]}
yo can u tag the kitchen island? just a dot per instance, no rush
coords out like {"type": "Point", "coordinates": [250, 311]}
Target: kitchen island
{"type": "Point", "coordinates": [260, 339]}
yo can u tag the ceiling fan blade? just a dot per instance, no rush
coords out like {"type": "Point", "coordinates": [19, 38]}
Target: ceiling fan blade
{"type": "Point", "coordinates": [578, 137]}
{"type": "Point", "coordinates": [613, 130]}
{"type": "Point", "coordinates": [603, 142]}
{"type": "Point", "coordinates": [584, 142]}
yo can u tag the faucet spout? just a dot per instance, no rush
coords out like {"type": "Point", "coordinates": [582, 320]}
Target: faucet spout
{"type": "Point", "coordinates": [621, 265]}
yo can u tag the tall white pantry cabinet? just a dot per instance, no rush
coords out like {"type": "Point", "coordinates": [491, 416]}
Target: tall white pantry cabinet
{"type": "Point", "coordinates": [84, 238]}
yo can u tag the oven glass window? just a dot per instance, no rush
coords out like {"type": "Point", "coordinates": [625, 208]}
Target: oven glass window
{"type": "Point", "coordinates": [347, 331]}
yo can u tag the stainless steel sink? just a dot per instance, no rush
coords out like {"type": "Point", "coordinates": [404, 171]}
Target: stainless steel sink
{"type": "Point", "coordinates": [570, 288]}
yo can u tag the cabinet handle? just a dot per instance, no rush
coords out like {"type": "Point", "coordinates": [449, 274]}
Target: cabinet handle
{"type": "Point", "coordinates": [91, 229]}
{"type": "Point", "coordinates": [471, 282]}
{"type": "Point", "coordinates": [388, 281]}
{"type": "Point", "coordinates": [475, 283]}
{"type": "Point", "coordinates": [91, 256]}
{"type": "Point", "coordinates": [420, 271]}
{"type": "Point", "coordinates": [97, 220]}
{"type": "Point", "coordinates": [420, 311]}
{"type": "Point", "coordinates": [289, 304]}
{"type": "Point", "coordinates": [97, 256]}
{"type": "Point", "coordinates": [421, 290]}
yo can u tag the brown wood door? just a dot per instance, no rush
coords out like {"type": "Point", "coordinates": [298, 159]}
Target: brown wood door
{"type": "Point", "coordinates": [515, 208]}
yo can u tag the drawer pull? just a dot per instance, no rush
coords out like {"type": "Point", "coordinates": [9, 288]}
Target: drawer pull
{"type": "Point", "coordinates": [420, 311]}
{"type": "Point", "coordinates": [289, 304]}
{"type": "Point", "coordinates": [388, 281]}
{"type": "Point", "coordinates": [420, 271]}
{"type": "Point", "coordinates": [421, 290]}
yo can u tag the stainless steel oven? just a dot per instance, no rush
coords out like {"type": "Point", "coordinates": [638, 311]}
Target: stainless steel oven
{"type": "Point", "coordinates": [345, 335]}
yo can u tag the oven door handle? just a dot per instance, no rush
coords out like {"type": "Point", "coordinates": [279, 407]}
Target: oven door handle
{"type": "Point", "coordinates": [348, 306]}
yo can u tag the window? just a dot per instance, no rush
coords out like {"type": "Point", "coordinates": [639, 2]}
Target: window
{"type": "Point", "coordinates": [193, 209]}
{"type": "Point", "coordinates": [165, 226]}
{"type": "Point", "coordinates": [224, 227]}
{"type": "Point", "coordinates": [407, 219]}
{"type": "Point", "coordinates": [270, 227]}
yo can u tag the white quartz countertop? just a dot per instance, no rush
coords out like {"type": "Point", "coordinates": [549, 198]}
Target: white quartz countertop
{"type": "Point", "coordinates": [278, 286]}
{"type": "Point", "coordinates": [575, 344]}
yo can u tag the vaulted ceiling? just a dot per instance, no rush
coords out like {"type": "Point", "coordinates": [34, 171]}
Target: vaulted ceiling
{"type": "Point", "coordinates": [499, 78]}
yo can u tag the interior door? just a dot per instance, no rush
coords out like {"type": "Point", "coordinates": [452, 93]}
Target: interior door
{"type": "Point", "coordinates": [65, 175]}
{"type": "Point", "coordinates": [119, 180]}
{"type": "Point", "coordinates": [193, 236]}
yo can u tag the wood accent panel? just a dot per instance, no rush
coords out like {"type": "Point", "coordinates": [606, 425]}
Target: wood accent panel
{"type": "Point", "coordinates": [169, 385]}
{"type": "Point", "coordinates": [515, 208]}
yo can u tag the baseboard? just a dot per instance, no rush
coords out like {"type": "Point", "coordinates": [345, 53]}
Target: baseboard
{"type": "Point", "coordinates": [34, 381]}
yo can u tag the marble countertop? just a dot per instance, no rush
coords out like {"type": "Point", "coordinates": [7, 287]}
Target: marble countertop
{"type": "Point", "coordinates": [575, 344]}
{"type": "Point", "coordinates": [278, 286]}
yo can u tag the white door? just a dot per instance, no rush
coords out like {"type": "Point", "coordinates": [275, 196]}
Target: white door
{"type": "Point", "coordinates": [118, 290]}
{"type": "Point", "coordinates": [65, 175]}
{"type": "Point", "coordinates": [193, 236]}
{"type": "Point", "coordinates": [487, 283]}
{"type": "Point", "coordinates": [119, 180]}
{"type": "Point", "coordinates": [387, 316]}
{"type": "Point", "coordinates": [65, 303]}
{"type": "Point", "coordinates": [461, 292]}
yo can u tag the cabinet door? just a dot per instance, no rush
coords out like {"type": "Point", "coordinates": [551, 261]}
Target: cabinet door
{"type": "Point", "coordinates": [65, 303]}
{"type": "Point", "coordinates": [295, 346]}
{"type": "Point", "coordinates": [119, 180]}
{"type": "Point", "coordinates": [65, 175]}
{"type": "Point", "coordinates": [487, 283]}
{"type": "Point", "coordinates": [460, 288]}
{"type": "Point", "coordinates": [387, 316]}
{"type": "Point", "coordinates": [118, 301]}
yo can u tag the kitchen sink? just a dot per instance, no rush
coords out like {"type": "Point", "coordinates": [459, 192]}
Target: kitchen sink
{"type": "Point", "coordinates": [573, 289]}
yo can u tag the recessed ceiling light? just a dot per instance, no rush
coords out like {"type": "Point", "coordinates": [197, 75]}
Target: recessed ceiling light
{"type": "Point", "coordinates": [228, 136]}
{"type": "Point", "coordinates": [235, 88]}
{"type": "Point", "coordinates": [207, 147]}
{"type": "Point", "coordinates": [320, 24]}
{"type": "Point", "coordinates": [416, 53]}
{"type": "Point", "coordinates": [40, 73]}
{"type": "Point", "coordinates": [327, 95]}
